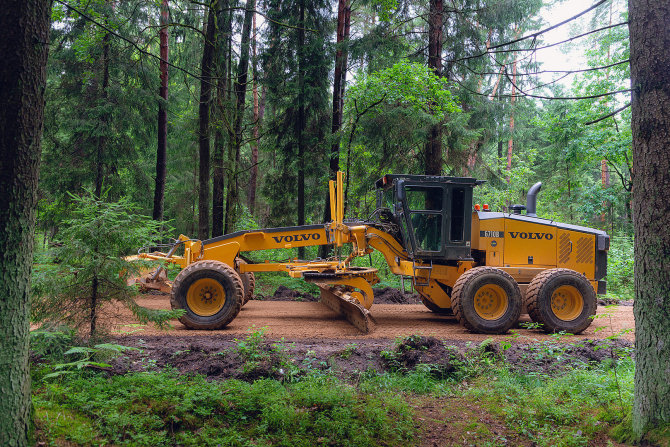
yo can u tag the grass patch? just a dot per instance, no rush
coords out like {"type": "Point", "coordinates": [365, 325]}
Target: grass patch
{"type": "Point", "coordinates": [568, 410]}
{"type": "Point", "coordinates": [163, 409]}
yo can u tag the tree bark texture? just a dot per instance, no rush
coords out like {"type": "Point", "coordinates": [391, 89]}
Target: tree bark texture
{"type": "Point", "coordinates": [24, 47]}
{"type": "Point", "coordinates": [510, 142]}
{"type": "Point", "coordinates": [224, 24]}
{"type": "Point", "coordinates": [161, 149]}
{"type": "Point", "coordinates": [203, 114]}
{"type": "Point", "coordinates": [253, 171]}
{"type": "Point", "coordinates": [433, 149]}
{"type": "Point", "coordinates": [650, 80]}
{"type": "Point", "coordinates": [102, 139]}
{"type": "Point", "coordinates": [300, 122]}
{"type": "Point", "coordinates": [339, 83]}
{"type": "Point", "coordinates": [240, 102]}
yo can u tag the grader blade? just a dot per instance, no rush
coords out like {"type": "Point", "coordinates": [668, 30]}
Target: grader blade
{"type": "Point", "coordinates": [341, 301]}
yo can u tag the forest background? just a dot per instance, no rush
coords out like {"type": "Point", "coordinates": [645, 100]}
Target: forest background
{"type": "Point", "coordinates": [246, 122]}
{"type": "Point", "coordinates": [251, 107]}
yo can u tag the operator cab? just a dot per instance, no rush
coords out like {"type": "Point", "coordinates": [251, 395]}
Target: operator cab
{"type": "Point", "coordinates": [434, 213]}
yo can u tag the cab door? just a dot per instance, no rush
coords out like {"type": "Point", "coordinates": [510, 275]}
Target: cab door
{"type": "Point", "coordinates": [424, 219]}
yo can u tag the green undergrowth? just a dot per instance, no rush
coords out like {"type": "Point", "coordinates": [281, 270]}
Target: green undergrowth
{"type": "Point", "coordinates": [568, 410]}
{"type": "Point", "coordinates": [573, 406]}
{"type": "Point", "coordinates": [164, 409]}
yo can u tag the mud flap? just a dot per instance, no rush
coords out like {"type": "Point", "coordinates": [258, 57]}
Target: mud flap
{"type": "Point", "coordinates": [341, 301]}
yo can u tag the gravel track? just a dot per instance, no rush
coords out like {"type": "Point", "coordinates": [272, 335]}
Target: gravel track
{"type": "Point", "coordinates": [312, 320]}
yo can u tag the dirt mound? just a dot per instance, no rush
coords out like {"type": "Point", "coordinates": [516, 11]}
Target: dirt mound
{"type": "Point", "coordinates": [551, 358]}
{"type": "Point", "coordinates": [417, 350]}
{"type": "Point", "coordinates": [254, 357]}
{"type": "Point", "coordinates": [389, 295]}
{"type": "Point", "coordinates": [285, 294]}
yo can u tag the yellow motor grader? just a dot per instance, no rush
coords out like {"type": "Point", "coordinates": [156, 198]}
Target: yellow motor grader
{"type": "Point", "coordinates": [484, 267]}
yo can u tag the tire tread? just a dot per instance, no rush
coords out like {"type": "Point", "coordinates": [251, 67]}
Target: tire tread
{"type": "Point", "coordinates": [216, 266]}
{"type": "Point", "coordinates": [463, 281]}
{"type": "Point", "coordinates": [534, 289]}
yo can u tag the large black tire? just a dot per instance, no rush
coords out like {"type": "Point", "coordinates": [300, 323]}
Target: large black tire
{"type": "Point", "coordinates": [248, 282]}
{"type": "Point", "coordinates": [486, 300]}
{"type": "Point", "coordinates": [211, 292]}
{"type": "Point", "coordinates": [562, 300]}
{"type": "Point", "coordinates": [435, 308]}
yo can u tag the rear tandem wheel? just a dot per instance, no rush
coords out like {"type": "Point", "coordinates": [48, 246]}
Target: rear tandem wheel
{"type": "Point", "coordinates": [211, 292]}
{"type": "Point", "coordinates": [562, 300]}
{"type": "Point", "coordinates": [486, 300]}
{"type": "Point", "coordinates": [248, 281]}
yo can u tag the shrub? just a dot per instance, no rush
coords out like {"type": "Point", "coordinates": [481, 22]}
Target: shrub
{"type": "Point", "coordinates": [87, 267]}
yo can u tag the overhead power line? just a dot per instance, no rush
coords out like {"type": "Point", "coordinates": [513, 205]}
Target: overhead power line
{"type": "Point", "coordinates": [534, 35]}
{"type": "Point", "coordinates": [516, 50]}
{"type": "Point", "coordinates": [523, 93]}
{"type": "Point", "coordinates": [535, 73]}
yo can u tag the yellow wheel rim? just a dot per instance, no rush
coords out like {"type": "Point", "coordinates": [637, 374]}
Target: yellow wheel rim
{"type": "Point", "coordinates": [491, 302]}
{"type": "Point", "coordinates": [567, 303]}
{"type": "Point", "coordinates": [205, 297]}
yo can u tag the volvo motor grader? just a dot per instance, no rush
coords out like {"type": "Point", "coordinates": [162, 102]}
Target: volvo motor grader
{"type": "Point", "coordinates": [484, 267]}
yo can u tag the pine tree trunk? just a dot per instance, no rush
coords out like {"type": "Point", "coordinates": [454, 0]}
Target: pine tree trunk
{"type": "Point", "coordinates": [300, 122]}
{"type": "Point", "coordinates": [24, 47]}
{"type": "Point", "coordinates": [339, 82]}
{"type": "Point", "coordinates": [650, 79]}
{"type": "Point", "coordinates": [203, 114]}
{"type": "Point", "coordinates": [240, 102]}
{"type": "Point", "coordinates": [224, 19]}
{"type": "Point", "coordinates": [433, 149]}
{"type": "Point", "coordinates": [102, 139]}
{"type": "Point", "coordinates": [510, 142]}
{"type": "Point", "coordinates": [253, 172]}
{"type": "Point", "coordinates": [93, 315]}
{"type": "Point", "coordinates": [161, 150]}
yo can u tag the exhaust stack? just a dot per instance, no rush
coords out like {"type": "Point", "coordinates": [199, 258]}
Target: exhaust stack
{"type": "Point", "coordinates": [531, 199]}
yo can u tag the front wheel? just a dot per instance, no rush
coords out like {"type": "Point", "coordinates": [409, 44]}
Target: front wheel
{"type": "Point", "coordinates": [562, 300]}
{"type": "Point", "coordinates": [486, 300]}
{"type": "Point", "coordinates": [211, 292]}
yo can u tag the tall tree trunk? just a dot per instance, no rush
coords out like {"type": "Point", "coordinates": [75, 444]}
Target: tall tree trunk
{"type": "Point", "coordinates": [161, 150]}
{"type": "Point", "coordinates": [24, 47]}
{"type": "Point", "coordinates": [93, 316]}
{"type": "Point", "coordinates": [102, 139]}
{"type": "Point", "coordinates": [510, 142]}
{"type": "Point", "coordinates": [224, 24]}
{"type": "Point", "coordinates": [650, 79]}
{"type": "Point", "coordinates": [253, 172]}
{"type": "Point", "coordinates": [203, 114]}
{"type": "Point", "coordinates": [300, 122]}
{"type": "Point", "coordinates": [240, 102]}
{"type": "Point", "coordinates": [339, 82]}
{"type": "Point", "coordinates": [433, 149]}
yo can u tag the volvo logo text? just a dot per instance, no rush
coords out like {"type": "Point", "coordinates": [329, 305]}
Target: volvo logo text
{"type": "Point", "coordinates": [524, 235]}
{"type": "Point", "coordinates": [296, 238]}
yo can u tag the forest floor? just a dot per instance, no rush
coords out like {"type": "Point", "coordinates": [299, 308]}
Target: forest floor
{"type": "Point", "coordinates": [444, 385]}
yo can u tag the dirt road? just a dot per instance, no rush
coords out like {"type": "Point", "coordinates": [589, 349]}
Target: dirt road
{"type": "Point", "coordinates": [294, 320]}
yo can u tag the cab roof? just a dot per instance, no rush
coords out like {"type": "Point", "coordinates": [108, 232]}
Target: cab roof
{"type": "Point", "coordinates": [390, 179]}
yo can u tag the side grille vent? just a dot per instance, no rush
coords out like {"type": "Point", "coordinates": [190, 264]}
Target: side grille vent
{"type": "Point", "coordinates": [564, 248]}
{"type": "Point", "coordinates": [584, 253]}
